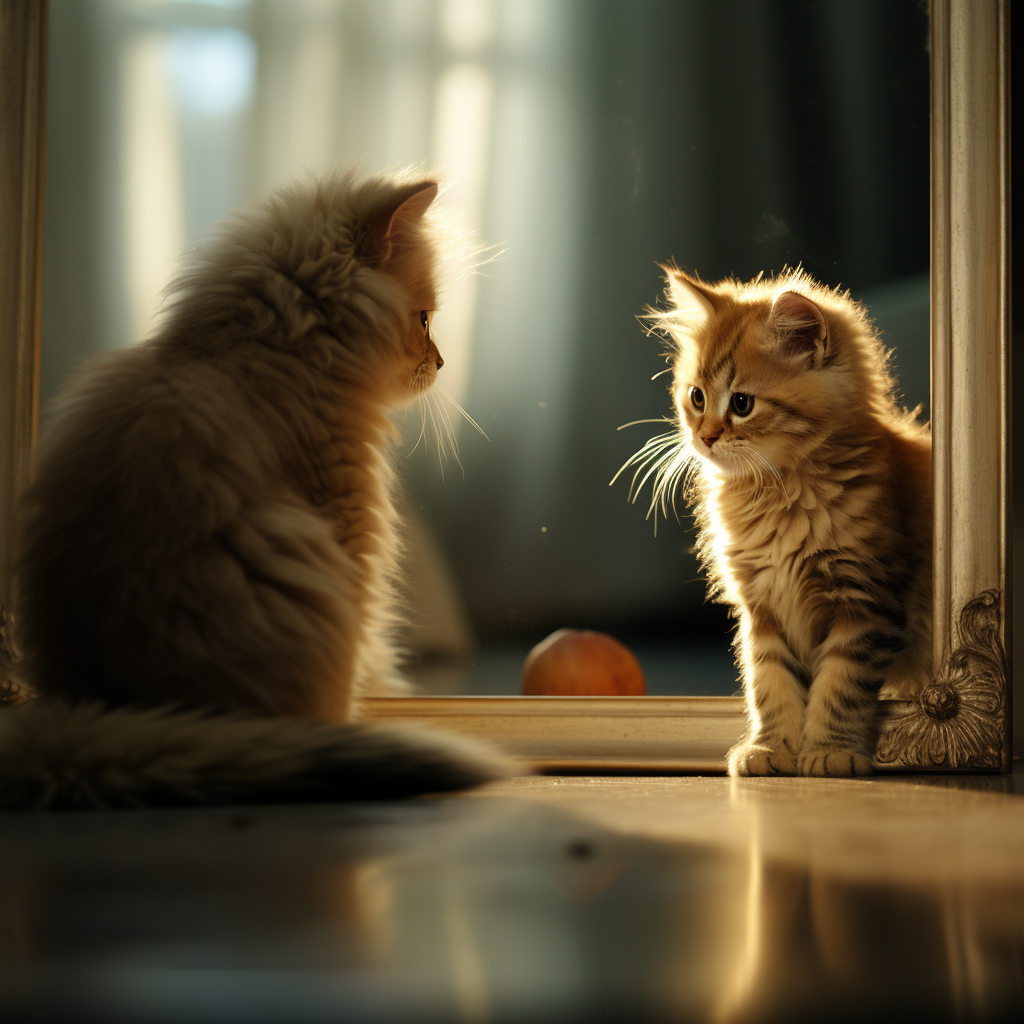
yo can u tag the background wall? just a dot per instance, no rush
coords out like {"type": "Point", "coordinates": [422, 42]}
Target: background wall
{"type": "Point", "coordinates": [586, 139]}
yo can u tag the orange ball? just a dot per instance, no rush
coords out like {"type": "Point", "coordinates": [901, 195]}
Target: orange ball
{"type": "Point", "coordinates": [582, 663]}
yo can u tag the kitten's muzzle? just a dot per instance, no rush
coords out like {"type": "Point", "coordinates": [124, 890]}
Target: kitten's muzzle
{"type": "Point", "coordinates": [711, 439]}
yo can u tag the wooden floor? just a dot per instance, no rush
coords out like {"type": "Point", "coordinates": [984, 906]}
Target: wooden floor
{"type": "Point", "coordinates": [544, 899]}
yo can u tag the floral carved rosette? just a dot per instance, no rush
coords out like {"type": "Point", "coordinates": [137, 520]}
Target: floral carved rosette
{"type": "Point", "coordinates": [959, 720]}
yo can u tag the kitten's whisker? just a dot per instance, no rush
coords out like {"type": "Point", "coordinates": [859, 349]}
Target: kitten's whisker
{"type": "Point", "coordinates": [436, 425]}
{"type": "Point", "coordinates": [666, 471]}
{"type": "Point", "coordinates": [656, 467]}
{"type": "Point", "coordinates": [462, 412]}
{"type": "Point", "coordinates": [437, 434]}
{"type": "Point", "coordinates": [423, 426]}
{"type": "Point", "coordinates": [655, 459]}
{"type": "Point", "coordinates": [756, 467]}
{"type": "Point", "coordinates": [666, 485]}
{"type": "Point", "coordinates": [633, 423]}
{"type": "Point", "coordinates": [652, 450]}
{"type": "Point", "coordinates": [431, 404]}
{"type": "Point", "coordinates": [452, 440]}
{"type": "Point", "coordinates": [687, 468]}
{"type": "Point", "coordinates": [755, 470]}
{"type": "Point", "coordinates": [756, 460]}
{"type": "Point", "coordinates": [446, 440]}
{"type": "Point", "coordinates": [646, 452]}
{"type": "Point", "coordinates": [446, 423]}
{"type": "Point", "coordinates": [773, 469]}
{"type": "Point", "coordinates": [669, 460]}
{"type": "Point", "coordinates": [668, 369]}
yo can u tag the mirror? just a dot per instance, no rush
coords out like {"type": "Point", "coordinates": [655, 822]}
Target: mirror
{"type": "Point", "coordinates": [585, 141]}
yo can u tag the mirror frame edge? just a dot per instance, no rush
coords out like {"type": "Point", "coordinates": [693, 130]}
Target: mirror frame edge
{"type": "Point", "coordinates": [962, 721]}
{"type": "Point", "coordinates": [23, 59]}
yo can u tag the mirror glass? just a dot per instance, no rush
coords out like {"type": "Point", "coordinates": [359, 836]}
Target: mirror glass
{"type": "Point", "coordinates": [584, 140]}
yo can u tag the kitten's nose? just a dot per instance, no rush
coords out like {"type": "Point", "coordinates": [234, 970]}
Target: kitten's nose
{"type": "Point", "coordinates": [440, 361]}
{"type": "Point", "coordinates": [709, 441]}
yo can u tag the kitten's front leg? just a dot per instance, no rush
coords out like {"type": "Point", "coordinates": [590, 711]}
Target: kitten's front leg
{"type": "Point", "coordinates": [775, 700]}
{"type": "Point", "coordinates": [841, 727]}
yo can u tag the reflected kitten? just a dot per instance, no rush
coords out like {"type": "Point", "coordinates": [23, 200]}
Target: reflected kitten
{"type": "Point", "coordinates": [211, 526]}
{"type": "Point", "coordinates": [812, 493]}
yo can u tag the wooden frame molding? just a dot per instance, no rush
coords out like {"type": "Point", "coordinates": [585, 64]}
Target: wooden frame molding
{"type": "Point", "coordinates": [22, 133]}
{"type": "Point", "coordinates": [962, 720]}
{"type": "Point", "coordinates": [644, 734]}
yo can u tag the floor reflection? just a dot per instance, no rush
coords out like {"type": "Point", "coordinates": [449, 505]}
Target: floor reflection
{"type": "Point", "coordinates": [561, 900]}
{"type": "Point", "coordinates": [809, 940]}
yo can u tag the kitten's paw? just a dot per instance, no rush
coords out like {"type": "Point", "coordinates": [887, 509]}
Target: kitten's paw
{"type": "Point", "coordinates": [768, 757]}
{"type": "Point", "coordinates": [817, 759]}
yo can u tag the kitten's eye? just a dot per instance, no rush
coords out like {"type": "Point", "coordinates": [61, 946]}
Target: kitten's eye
{"type": "Point", "coordinates": [697, 398]}
{"type": "Point", "coordinates": [742, 404]}
{"type": "Point", "coordinates": [425, 318]}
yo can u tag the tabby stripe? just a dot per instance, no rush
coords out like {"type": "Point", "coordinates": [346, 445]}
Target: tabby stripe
{"type": "Point", "coordinates": [862, 607]}
{"type": "Point", "coordinates": [716, 369]}
{"type": "Point", "coordinates": [788, 409]}
{"type": "Point", "coordinates": [890, 641]}
{"type": "Point", "coordinates": [855, 686]}
{"type": "Point", "coordinates": [789, 664]}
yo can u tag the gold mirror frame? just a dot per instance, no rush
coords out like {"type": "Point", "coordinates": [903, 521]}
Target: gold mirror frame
{"type": "Point", "coordinates": [962, 720]}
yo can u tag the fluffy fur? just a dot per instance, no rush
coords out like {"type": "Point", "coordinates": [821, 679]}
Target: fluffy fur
{"type": "Point", "coordinates": [812, 494]}
{"type": "Point", "coordinates": [211, 526]}
{"type": "Point", "coordinates": [57, 755]}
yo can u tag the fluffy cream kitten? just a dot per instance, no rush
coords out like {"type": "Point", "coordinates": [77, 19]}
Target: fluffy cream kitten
{"type": "Point", "coordinates": [211, 526]}
{"type": "Point", "coordinates": [812, 493]}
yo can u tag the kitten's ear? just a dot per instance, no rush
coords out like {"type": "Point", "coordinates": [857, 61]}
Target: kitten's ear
{"type": "Point", "coordinates": [693, 301]}
{"type": "Point", "coordinates": [405, 211]}
{"type": "Point", "coordinates": [800, 325]}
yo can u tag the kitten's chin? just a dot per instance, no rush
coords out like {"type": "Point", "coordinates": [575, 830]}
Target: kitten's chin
{"type": "Point", "coordinates": [421, 385]}
{"type": "Point", "coordinates": [733, 469]}
{"type": "Point", "coordinates": [726, 467]}
{"type": "Point", "coordinates": [411, 391]}
{"type": "Point", "coordinates": [407, 398]}
{"type": "Point", "coordinates": [712, 466]}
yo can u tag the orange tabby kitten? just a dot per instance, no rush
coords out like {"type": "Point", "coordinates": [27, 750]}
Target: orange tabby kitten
{"type": "Point", "coordinates": [812, 491]}
{"type": "Point", "coordinates": [211, 526]}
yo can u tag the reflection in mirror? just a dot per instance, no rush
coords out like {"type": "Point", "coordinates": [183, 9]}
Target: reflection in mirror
{"type": "Point", "coordinates": [584, 141]}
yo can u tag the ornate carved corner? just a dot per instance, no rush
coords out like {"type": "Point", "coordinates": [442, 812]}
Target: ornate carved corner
{"type": "Point", "coordinates": [959, 721]}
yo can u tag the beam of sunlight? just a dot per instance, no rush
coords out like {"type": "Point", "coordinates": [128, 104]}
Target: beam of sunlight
{"type": "Point", "coordinates": [300, 77]}
{"type": "Point", "coordinates": [463, 105]}
{"type": "Point", "coordinates": [153, 204]}
{"type": "Point", "coordinates": [467, 26]}
{"type": "Point", "coordinates": [317, 75]}
{"type": "Point", "coordinates": [739, 989]}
